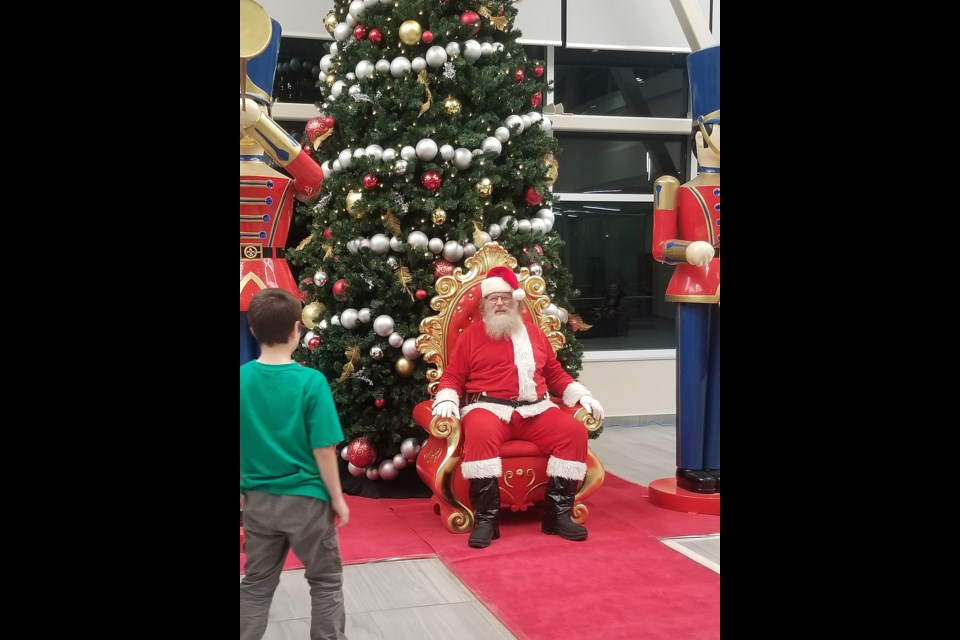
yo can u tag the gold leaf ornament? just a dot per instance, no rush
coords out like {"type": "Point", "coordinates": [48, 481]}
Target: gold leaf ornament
{"type": "Point", "coordinates": [499, 22]}
{"type": "Point", "coordinates": [305, 242]}
{"type": "Point", "coordinates": [353, 355]}
{"type": "Point", "coordinates": [391, 222]}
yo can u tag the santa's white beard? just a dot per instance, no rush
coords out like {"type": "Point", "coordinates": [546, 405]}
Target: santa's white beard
{"type": "Point", "coordinates": [500, 326]}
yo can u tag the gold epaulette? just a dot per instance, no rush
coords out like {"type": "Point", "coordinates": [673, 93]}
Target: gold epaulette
{"type": "Point", "coordinates": [665, 192]}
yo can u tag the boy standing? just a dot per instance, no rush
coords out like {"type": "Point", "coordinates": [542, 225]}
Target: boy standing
{"type": "Point", "coordinates": [289, 480]}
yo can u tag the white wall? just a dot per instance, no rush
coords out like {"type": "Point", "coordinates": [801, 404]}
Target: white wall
{"type": "Point", "coordinates": [632, 387]}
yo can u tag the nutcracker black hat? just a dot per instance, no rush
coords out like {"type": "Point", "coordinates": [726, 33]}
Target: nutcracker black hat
{"type": "Point", "coordinates": [703, 68]}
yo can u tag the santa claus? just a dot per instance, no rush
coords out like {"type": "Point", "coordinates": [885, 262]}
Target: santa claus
{"type": "Point", "coordinates": [502, 372]}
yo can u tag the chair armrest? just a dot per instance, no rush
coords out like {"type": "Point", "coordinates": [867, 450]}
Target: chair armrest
{"type": "Point", "coordinates": [438, 427]}
{"type": "Point", "coordinates": [579, 413]}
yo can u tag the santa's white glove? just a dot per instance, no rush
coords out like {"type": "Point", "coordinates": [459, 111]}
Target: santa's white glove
{"type": "Point", "coordinates": [699, 253]}
{"type": "Point", "coordinates": [592, 406]}
{"type": "Point", "coordinates": [446, 408]}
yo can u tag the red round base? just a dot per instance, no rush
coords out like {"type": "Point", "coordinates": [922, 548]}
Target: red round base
{"type": "Point", "coordinates": [665, 493]}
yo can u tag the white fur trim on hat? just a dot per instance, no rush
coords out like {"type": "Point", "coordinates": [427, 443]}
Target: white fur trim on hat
{"type": "Point", "coordinates": [502, 280]}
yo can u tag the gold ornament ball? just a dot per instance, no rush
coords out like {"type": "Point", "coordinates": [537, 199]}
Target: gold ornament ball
{"type": "Point", "coordinates": [553, 168]}
{"type": "Point", "coordinates": [330, 22]}
{"type": "Point", "coordinates": [485, 188]}
{"type": "Point", "coordinates": [410, 32]}
{"type": "Point", "coordinates": [352, 199]}
{"type": "Point", "coordinates": [451, 106]}
{"type": "Point", "coordinates": [439, 216]}
{"type": "Point", "coordinates": [311, 313]}
{"type": "Point", "coordinates": [330, 79]}
{"type": "Point", "coordinates": [404, 367]}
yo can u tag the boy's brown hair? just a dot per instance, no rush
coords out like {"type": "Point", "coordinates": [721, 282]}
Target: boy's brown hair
{"type": "Point", "coordinates": [272, 314]}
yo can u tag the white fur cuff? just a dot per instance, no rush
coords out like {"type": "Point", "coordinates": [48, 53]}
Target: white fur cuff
{"type": "Point", "coordinates": [446, 394]}
{"type": "Point", "coordinates": [568, 469]}
{"type": "Point", "coordinates": [489, 468]}
{"type": "Point", "coordinates": [573, 393]}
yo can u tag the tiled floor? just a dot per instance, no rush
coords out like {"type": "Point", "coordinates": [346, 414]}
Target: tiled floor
{"type": "Point", "coordinates": [422, 600]}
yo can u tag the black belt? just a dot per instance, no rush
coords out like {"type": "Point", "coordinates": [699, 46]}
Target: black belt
{"type": "Point", "coordinates": [480, 397]}
{"type": "Point", "coordinates": [257, 252]}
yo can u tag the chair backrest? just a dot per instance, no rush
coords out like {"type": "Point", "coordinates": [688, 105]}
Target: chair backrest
{"type": "Point", "coordinates": [458, 305]}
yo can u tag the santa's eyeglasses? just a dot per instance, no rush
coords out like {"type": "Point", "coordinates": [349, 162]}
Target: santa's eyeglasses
{"type": "Point", "coordinates": [499, 299]}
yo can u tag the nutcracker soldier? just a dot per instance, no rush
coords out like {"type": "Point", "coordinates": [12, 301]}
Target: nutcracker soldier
{"type": "Point", "coordinates": [686, 232]}
{"type": "Point", "coordinates": [266, 196]}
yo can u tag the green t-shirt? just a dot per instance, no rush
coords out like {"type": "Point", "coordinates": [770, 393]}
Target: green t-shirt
{"type": "Point", "coordinates": [286, 411]}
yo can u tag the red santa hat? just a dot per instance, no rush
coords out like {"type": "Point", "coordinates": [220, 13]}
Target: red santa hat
{"type": "Point", "coordinates": [502, 280]}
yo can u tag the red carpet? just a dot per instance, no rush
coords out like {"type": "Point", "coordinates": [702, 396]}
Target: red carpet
{"type": "Point", "coordinates": [621, 583]}
{"type": "Point", "coordinates": [373, 533]}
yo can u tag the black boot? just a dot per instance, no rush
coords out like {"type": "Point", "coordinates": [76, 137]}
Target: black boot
{"type": "Point", "coordinates": [716, 476]}
{"type": "Point", "coordinates": [556, 518]}
{"type": "Point", "coordinates": [485, 498]}
{"type": "Point", "coordinates": [696, 481]}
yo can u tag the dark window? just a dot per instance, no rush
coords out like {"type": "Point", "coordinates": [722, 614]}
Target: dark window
{"type": "Point", "coordinates": [621, 83]}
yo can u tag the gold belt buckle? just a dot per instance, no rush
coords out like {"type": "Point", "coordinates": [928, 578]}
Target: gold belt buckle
{"type": "Point", "coordinates": [251, 252]}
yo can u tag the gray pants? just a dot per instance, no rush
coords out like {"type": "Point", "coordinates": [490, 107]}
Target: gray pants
{"type": "Point", "coordinates": [272, 524]}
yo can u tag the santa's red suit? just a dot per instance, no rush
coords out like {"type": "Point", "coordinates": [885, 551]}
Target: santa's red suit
{"type": "Point", "coordinates": [520, 372]}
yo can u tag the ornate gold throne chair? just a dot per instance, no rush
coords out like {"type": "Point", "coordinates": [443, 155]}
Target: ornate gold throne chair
{"type": "Point", "coordinates": [524, 478]}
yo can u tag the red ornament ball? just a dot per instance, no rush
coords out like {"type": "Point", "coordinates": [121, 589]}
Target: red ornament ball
{"type": "Point", "coordinates": [531, 197]}
{"type": "Point", "coordinates": [442, 268]}
{"type": "Point", "coordinates": [341, 290]}
{"type": "Point", "coordinates": [518, 75]}
{"type": "Point", "coordinates": [359, 32]}
{"type": "Point", "coordinates": [538, 70]}
{"type": "Point", "coordinates": [316, 127]}
{"type": "Point", "coordinates": [536, 99]}
{"type": "Point", "coordinates": [313, 343]}
{"type": "Point", "coordinates": [361, 453]}
{"type": "Point", "coordinates": [471, 19]}
{"type": "Point", "coordinates": [379, 403]}
{"type": "Point", "coordinates": [427, 36]}
{"type": "Point", "coordinates": [327, 233]}
{"type": "Point", "coordinates": [421, 294]}
{"type": "Point", "coordinates": [369, 181]}
{"type": "Point", "coordinates": [431, 180]}
{"type": "Point", "coordinates": [375, 36]}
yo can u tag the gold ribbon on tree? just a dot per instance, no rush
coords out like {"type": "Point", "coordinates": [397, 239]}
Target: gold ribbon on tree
{"type": "Point", "coordinates": [422, 79]}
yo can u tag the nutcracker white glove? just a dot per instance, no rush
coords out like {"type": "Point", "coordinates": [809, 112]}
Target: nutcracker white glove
{"type": "Point", "coordinates": [592, 406]}
{"type": "Point", "coordinates": [251, 114]}
{"type": "Point", "coordinates": [699, 253]}
{"type": "Point", "coordinates": [446, 408]}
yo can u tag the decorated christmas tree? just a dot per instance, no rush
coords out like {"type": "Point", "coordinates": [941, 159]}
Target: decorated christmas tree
{"type": "Point", "coordinates": [432, 144]}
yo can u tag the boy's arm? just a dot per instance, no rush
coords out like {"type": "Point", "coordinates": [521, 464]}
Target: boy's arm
{"type": "Point", "coordinates": [326, 458]}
